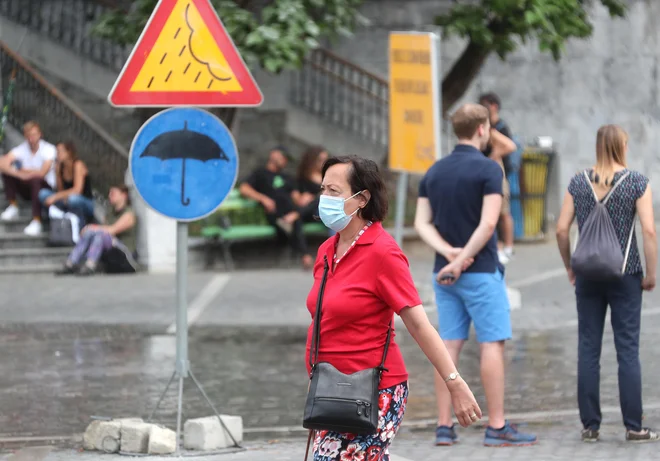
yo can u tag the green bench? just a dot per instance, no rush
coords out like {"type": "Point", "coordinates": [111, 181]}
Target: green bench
{"type": "Point", "coordinates": [243, 220]}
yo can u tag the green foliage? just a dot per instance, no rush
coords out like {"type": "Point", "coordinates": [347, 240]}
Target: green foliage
{"type": "Point", "coordinates": [275, 37]}
{"type": "Point", "coordinates": [499, 25]}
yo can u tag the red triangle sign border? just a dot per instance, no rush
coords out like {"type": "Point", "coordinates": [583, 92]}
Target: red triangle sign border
{"type": "Point", "coordinates": [122, 96]}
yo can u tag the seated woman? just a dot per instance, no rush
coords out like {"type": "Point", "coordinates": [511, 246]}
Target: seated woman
{"type": "Point", "coordinates": [114, 242]}
{"type": "Point", "coordinates": [74, 188]}
{"type": "Point", "coordinates": [306, 195]}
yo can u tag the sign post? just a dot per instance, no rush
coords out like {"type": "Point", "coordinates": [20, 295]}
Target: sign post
{"type": "Point", "coordinates": [414, 111]}
{"type": "Point", "coordinates": [183, 160]}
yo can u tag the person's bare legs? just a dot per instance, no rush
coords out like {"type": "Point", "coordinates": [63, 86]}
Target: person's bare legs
{"type": "Point", "coordinates": [506, 223]}
{"type": "Point", "coordinates": [492, 378]}
{"type": "Point", "coordinates": [442, 395]}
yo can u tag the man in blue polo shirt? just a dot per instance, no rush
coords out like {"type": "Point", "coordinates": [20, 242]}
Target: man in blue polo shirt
{"type": "Point", "coordinates": [459, 204]}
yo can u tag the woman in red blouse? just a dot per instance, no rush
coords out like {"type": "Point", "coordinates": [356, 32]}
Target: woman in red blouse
{"type": "Point", "coordinates": [369, 281]}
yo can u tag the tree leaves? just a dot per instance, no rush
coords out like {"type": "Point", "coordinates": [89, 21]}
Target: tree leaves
{"type": "Point", "coordinates": [276, 36]}
{"type": "Point", "coordinates": [499, 25]}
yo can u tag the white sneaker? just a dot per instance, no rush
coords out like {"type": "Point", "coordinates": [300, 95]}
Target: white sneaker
{"type": "Point", "coordinates": [33, 229]}
{"type": "Point", "coordinates": [10, 213]}
{"type": "Point", "coordinates": [504, 259]}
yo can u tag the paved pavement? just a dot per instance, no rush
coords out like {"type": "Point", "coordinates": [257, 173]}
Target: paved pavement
{"type": "Point", "coordinates": [75, 348]}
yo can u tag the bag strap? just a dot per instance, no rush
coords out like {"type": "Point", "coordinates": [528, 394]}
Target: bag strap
{"type": "Point", "coordinates": [381, 367]}
{"type": "Point", "coordinates": [314, 347]}
{"type": "Point", "coordinates": [621, 179]}
{"type": "Point", "coordinates": [609, 194]}
{"type": "Point", "coordinates": [632, 230]}
{"type": "Point", "coordinates": [309, 442]}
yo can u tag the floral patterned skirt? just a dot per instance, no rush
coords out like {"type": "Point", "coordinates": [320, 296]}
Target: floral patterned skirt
{"type": "Point", "coordinates": [334, 446]}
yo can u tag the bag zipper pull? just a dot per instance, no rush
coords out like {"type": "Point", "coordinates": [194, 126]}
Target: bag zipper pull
{"type": "Point", "coordinates": [359, 407]}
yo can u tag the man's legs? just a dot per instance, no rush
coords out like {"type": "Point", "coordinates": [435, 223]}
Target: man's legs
{"type": "Point", "coordinates": [487, 303]}
{"type": "Point", "coordinates": [492, 377]}
{"type": "Point", "coordinates": [506, 224]}
{"type": "Point", "coordinates": [11, 186]}
{"type": "Point", "coordinates": [34, 186]}
{"type": "Point", "coordinates": [454, 328]}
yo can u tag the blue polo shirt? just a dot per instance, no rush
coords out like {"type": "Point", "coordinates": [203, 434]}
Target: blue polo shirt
{"type": "Point", "coordinates": [456, 186]}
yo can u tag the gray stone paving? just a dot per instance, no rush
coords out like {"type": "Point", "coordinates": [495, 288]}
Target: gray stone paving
{"type": "Point", "coordinates": [559, 441]}
{"type": "Point", "coordinates": [73, 348]}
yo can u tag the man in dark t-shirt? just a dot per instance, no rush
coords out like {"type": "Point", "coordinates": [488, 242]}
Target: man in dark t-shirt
{"type": "Point", "coordinates": [459, 204]}
{"type": "Point", "coordinates": [501, 155]}
{"type": "Point", "coordinates": [273, 189]}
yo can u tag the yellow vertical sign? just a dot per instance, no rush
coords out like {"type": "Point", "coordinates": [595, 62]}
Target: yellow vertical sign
{"type": "Point", "coordinates": [414, 102]}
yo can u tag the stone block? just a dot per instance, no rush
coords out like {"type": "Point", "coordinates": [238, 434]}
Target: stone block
{"type": "Point", "coordinates": [162, 441]}
{"type": "Point", "coordinates": [102, 436]}
{"type": "Point", "coordinates": [208, 434]}
{"type": "Point", "coordinates": [135, 437]}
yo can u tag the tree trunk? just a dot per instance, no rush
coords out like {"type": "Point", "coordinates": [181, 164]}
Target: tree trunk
{"type": "Point", "coordinates": [462, 73]}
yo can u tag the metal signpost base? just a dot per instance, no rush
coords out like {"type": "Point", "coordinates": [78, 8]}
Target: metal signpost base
{"type": "Point", "coordinates": [182, 370]}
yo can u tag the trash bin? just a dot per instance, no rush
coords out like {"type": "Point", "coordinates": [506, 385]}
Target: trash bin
{"type": "Point", "coordinates": [529, 194]}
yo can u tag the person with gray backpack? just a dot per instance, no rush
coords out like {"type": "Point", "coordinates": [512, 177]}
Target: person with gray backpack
{"type": "Point", "coordinates": [606, 269]}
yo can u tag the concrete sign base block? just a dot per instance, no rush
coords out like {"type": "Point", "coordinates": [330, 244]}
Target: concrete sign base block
{"type": "Point", "coordinates": [103, 436]}
{"type": "Point", "coordinates": [135, 437]}
{"type": "Point", "coordinates": [162, 441]}
{"type": "Point", "coordinates": [208, 434]}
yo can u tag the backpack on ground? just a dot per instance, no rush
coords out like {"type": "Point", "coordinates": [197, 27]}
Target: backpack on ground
{"type": "Point", "coordinates": [64, 228]}
{"type": "Point", "coordinates": [597, 254]}
{"type": "Point", "coordinates": [513, 161]}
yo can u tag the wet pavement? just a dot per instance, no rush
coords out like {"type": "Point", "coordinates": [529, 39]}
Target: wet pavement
{"type": "Point", "coordinates": [99, 347]}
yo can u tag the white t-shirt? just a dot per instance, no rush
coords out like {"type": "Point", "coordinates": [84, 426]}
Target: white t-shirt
{"type": "Point", "coordinates": [30, 161]}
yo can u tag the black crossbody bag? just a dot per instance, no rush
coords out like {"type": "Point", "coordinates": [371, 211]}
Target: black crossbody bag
{"type": "Point", "coordinates": [336, 401]}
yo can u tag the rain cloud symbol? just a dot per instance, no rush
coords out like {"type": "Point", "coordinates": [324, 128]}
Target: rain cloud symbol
{"type": "Point", "coordinates": [196, 48]}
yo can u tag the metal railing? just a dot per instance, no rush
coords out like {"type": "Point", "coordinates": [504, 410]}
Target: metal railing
{"type": "Point", "coordinates": [343, 94]}
{"type": "Point", "coordinates": [69, 23]}
{"type": "Point", "coordinates": [60, 119]}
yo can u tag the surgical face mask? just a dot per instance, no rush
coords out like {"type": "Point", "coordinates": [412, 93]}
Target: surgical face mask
{"type": "Point", "coordinates": [331, 212]}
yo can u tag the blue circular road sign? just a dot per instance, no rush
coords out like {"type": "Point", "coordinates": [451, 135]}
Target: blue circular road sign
{"type": "Point", "coordinates": [184, 163]}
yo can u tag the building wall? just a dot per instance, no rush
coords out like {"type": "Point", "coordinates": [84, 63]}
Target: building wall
{"type": "Point", "coordinates": [610, 78]}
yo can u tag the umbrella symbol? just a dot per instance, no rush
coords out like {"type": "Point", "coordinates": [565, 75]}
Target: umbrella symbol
{"type": "Point", "coordinates": [184, 145]}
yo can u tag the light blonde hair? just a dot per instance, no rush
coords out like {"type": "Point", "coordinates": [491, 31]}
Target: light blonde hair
{"type": "Point", "coordinates": [467, 119]}
{"type": "Point", "coordinates": [611, 144]}
{"type": "Point", "coordinates": [29, 125]}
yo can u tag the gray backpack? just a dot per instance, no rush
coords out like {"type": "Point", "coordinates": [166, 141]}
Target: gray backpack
{"type": "Point", "coordinates": [597, 254]}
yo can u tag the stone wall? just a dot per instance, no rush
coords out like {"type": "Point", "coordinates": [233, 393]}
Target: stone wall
{"type": "Point", "coordinates": [610, 78]}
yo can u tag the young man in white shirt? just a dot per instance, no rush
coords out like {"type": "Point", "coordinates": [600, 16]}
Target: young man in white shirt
{"type": "Point", "coordinates": [26, 169]}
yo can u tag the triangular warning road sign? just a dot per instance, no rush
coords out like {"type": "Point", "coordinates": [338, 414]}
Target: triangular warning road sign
{"type": "Point", "coordinates": [184, 57]}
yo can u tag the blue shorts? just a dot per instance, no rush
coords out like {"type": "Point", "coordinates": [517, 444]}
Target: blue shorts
{"type": "Point", "coordinates": [476, 297]}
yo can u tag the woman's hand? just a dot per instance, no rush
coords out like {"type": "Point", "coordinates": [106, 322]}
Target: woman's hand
{"type": "Point", "coordinates": [49, 201]}
{"type": "Point", "coordinates": [466, 409]}
{"type": "Point", "coordinates": [648, 283]}
{"type": "Point", "coordinates": [571, 276]}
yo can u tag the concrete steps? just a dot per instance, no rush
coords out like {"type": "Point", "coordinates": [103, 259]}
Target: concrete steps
{"type": "Point", "coordinates": [23, 254]}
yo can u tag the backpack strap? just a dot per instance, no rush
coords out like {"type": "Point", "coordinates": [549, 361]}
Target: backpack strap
{"type": "Point", "coordinates": [611, 191]}
{"type": "Point", "coordinates": [621, 179]}
{"type": "Point", "coordinates": [632, 230]}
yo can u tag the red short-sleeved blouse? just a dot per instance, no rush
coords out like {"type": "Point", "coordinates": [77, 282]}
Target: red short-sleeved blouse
{"type": "Point", "coordinates": [369, 285]}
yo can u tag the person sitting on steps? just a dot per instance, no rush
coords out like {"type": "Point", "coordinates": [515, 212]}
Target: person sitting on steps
{"type": "Point", "coordinates": [275, 191]}
{"type": "Point", "coordinates": [114, 242]}
{"type": "Point", "coordinates": [27, 169]}
{"type": "Point", "coordinates": [74, 188]}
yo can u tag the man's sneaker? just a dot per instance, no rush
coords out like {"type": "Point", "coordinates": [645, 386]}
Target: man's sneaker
{"type": "Point", "coordinates": [10, 213]}
{"type": "Point", "coordinates": [445, 436]}
{"type": "Point", "coordinates": [504, 259]}
{"type": "Point", "coordinates": [33, 229]}
{"type": "Point", "coordinates": [646, 435]}
{"type": "Point", "coordinates": [508, 436]}
{"type": "Point", "coordinates": [590, 435]}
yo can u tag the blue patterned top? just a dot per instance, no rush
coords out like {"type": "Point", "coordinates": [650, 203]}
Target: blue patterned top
{"type": "Point", "coordinates": [621, 208]}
